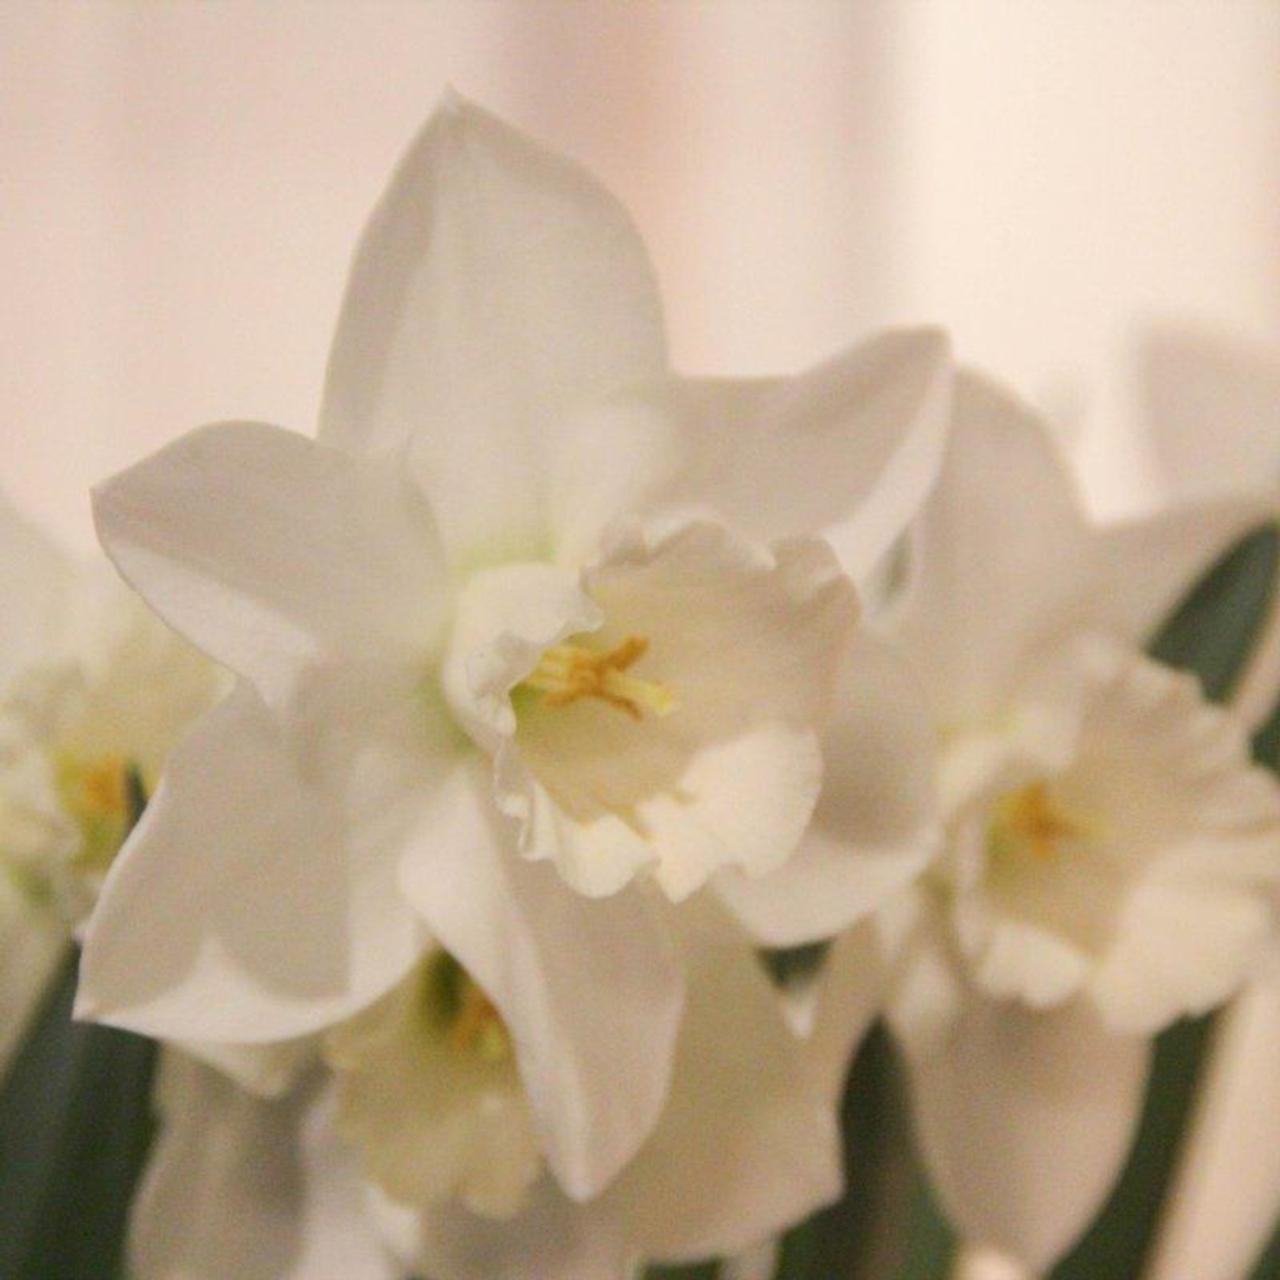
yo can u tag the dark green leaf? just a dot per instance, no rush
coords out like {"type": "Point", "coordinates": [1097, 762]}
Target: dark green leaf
{"type": "Point", "coordinates": [75, 1126]}
{"type": "Point", "coordinates": [693, 1271]}
{"type": "Point", "coordinates": [1268, 1267]}
{"type": "Point", "coordinates": [861, 1235]}
{"type": "Point", "coordinates": [1213, 629]}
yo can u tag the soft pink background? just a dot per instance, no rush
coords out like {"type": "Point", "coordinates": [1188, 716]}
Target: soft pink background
{"type": "Point", "coordinates": [181, 185]}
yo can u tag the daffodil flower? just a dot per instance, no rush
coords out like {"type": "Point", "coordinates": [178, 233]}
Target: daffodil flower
{"type": "Point", "coordinates": [93, 694]}
{"type": "Point", "coordinates": [1111, 853]}
{"type": "Point", "coordinates": [425, 1097]}
{"type": "Point", "coordinates": [534, 642]}
{"type": "Point", "coordinates": [1210, 405]}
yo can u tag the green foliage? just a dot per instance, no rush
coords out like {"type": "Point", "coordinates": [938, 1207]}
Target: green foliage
{"type": "Point", "coordinates": [75, 1127]}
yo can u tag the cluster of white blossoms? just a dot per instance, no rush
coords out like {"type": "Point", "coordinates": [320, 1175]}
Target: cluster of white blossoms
{"type": "Point", "coordinates": [561, 685]}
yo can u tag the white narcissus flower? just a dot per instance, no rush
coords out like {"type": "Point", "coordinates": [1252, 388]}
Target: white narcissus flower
{"type": "Point", "coordinates": [94, 691]}
{"type": "Point", "coordinates": [1111, 856]}
{"type": "Point", "coordinates": [535, 643]}
{"type": "Point", "coordinates": [745, 1144]}
{"type": "Point", "coordinates": [1212, 414]}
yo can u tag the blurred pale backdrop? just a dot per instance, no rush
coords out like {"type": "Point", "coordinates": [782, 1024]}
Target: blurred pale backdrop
{"type": "Point", "coordinates": [181, 184]}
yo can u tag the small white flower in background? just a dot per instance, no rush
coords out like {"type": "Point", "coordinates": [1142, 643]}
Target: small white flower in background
{"type": "Point", "coordinates": [1112, 854]}
{"type": "Point", "coordinates": [423, 1099]}
{"type": "Point", "coordinates": [537, 650]}
{"type": "Point", "coordinates": [94, 691]}
{"type": "Point", "coordinates": [1212, 413]}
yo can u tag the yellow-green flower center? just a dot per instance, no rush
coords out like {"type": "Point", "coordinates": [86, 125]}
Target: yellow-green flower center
{"type": "Point", "coordinates": [572, 671]}
{"type": "Point", "coordinates": [458, 1009]}
{"type": "Point", "coordinates": [1032, 822]}
{"type": "Point", "coordinates": [97, 793]}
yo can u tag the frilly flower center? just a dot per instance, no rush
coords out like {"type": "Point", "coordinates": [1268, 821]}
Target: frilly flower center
{"type": "Point", "coordinates": [1032, 822]}
{"type": "Point", "coordinates": [103, 796]}
{"type": "Point", "coordinates": [568, 672]}
{"type": "Point", "coordinates": [458, 1009]}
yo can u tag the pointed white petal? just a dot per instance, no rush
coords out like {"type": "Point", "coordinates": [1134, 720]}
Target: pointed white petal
{"type": "Point", "coordinates": [554, 1239]}
{"type": "Point", "coordinates": [748, 1144]}
{"type": "Point", "coordinates": [269, 551]}
{"type": "Point", "coordinates": [299, 921]}
{"type": "Point", "coordinates": [1217, 1221]}
{"type": "Point", "coordinates": [593, 1022]}
{"type": "Point", "coordinates": [1006, 558]}
{"type": "Point", "coordinates": [497, 288]}
{"type": "Point", "coordinates": [265, 1070]}
{"type": "Point", "coordinates": [1024, 1119]}
{"type": "Point", "coordinates": [853, 444]}
{"type": "Point", "coordinates": [235, 1186]}
{"type": "Point", "coordinates": [1002, 556]}
{"type": "Point", "coordinates": [851, 990]}
{"type": "Point", "coordinates": [875, 825]}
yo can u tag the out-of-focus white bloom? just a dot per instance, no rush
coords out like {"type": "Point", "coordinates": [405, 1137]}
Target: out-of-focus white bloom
{"type": "Point", "coordinates": [534, 643]}
{"type": "Point", "coordinates": [94, 691]}
{"type": "Point", "coordinates": [424, 1088]}
{"type": "Point", "coordinates": [1212, 414]}
{"type": "Point", "coordinates": [1111, 853]}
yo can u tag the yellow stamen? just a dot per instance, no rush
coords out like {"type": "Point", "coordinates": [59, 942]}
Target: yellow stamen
{"type": "Point", "coordinates": [478, 1027]}
{"type": "Point", "coordinates": [95, 793]}
{"type": "Point", "coordinates": [567, 672]}
{"type": "Point", "coordinates": [461, 1012]}
{"type": "Point", "coordinates": [1032, 820]}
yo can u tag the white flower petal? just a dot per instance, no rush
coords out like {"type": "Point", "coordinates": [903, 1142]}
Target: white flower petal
{"type": "Point", "coordinates": [854, 443]}
{"type": "Point", "coordinates": [265, 1070]}
{"type": "Point", "coordinates": [1147, 566]}
{"type": "Point", "coordinates": [554, 1239]}
{"type": "Point", "coordinates": [1005, 559]}
{"type": "Point", "coordinates": [748, 1143]}
{"type": "Point", "coordinates": [299, 921]}
{"type": "Point", "coordinates": [1025, 1119]}
{"type": "Point", "coordinates": [497, 288]}
{"type": "Point", "coordinates": [1185, 948]}
{"type": "Point", "coordinates": [851, 991]}
{"type": "Point", "coordinates": [875, 826]}
{"type": "Point", "coordinates": [1215, 1222]}
{"type": "Point", "coordinates": [594, 1021]}
{"type": "Point", "coordinates": [35, 583]}
{"type": "Point", "coordinates": [1002, 557]}
{"type": "Point", "coordinates": [432, 1120]}
{"type": "Point", "coordinates": [235, 1187]}
{"type": "Point", "coordinates": [269, 551]}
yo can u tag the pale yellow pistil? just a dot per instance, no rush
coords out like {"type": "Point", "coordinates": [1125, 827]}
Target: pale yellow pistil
{"type": "Point", "coordinates": [567, 672]}
{"type": "Point", "coordinates": [1032, 820]}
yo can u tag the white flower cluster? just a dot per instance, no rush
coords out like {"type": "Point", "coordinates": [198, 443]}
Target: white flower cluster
{"type": "Point", "coordinates": [559, 686]}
